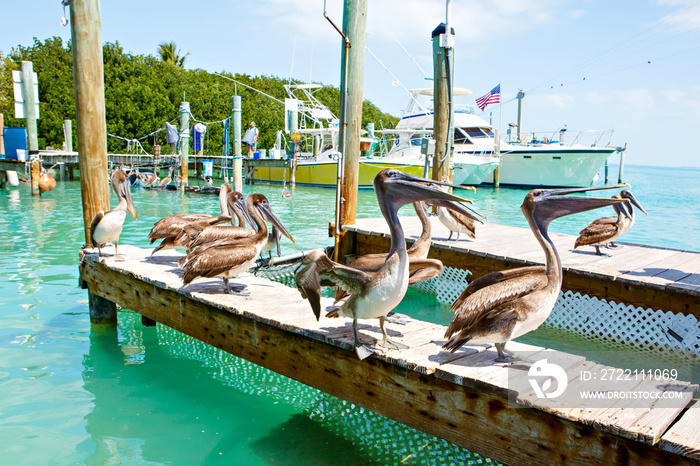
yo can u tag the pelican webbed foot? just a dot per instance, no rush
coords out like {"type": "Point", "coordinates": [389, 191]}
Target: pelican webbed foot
{"type": "Point", "coordinates": [361, 349]}
{"type": "Point", "coordinates": [118, 258]}
{"type": "Point", "coordinates": [386, 341]}
{"type": "Point", "coordinates": [504, 355]}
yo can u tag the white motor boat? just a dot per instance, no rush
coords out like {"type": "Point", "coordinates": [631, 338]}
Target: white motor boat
{"type": "Point", "coordinates": [532, 162]}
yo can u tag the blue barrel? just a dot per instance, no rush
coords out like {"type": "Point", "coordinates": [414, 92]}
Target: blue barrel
{"type": "Point", "coordinates": [15, 138]}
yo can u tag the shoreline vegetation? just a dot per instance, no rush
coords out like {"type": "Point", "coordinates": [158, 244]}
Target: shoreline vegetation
{"type": "Point", "coordinates": [143, 92]}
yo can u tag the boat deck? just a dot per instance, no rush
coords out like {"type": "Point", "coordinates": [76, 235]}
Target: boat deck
{"type": "Point", "coordinates": [466, 397]}
{"type": "Point", "coordinates": [657, 278]}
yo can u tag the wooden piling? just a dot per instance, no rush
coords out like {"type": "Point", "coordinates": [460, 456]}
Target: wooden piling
{"type": "Point", "coordinates": [497, 171]}
{"type": "Point", "coordinates": [35, 174]}
{"type": "Point", "coordinates": [352, 68]}
{"type": "Point", "coordinates": [30, 106]}
{"type": "Point", "coordinates": [2, 136]}
{"type": "Point", "coordinates": [88, 82]}
{"type": "Point", "coordinates": [185, 143]}
{"type": "Point", "coordinates": [68, 134]}
{"type": "Point", "coordinates": [443, 57]}
{"type": "Point", "coordinates": [237, 154]}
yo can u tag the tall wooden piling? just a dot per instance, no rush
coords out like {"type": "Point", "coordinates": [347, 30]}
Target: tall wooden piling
{"type": "Point", "coordinates": [443, 66]}
{"type": "Point", "coordinates": [30, 106]}
{"type": "Point", "coordinates": [88, 83]}
{"type": "Point", "coordinates": [352, 79]}
{"type": "Point", "coordinates": [184, 142]}
{"type": "Point", "coordinates": [68, 134]}
{"type": "Point", "coordinates": [237, 154]}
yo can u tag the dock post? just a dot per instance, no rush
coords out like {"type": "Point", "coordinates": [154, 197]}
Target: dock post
{"type": "Point", "coordinates": [237, 154]}
{"type": "Point", "coordinates": [68, 134]}
{"type": "Point", "coordinates": [88, 79]}
{"type": "Point", "coordinates": [2, 137]}
{"type": "Point", "coordinates": [30, 106]}
{"type": "Point", "coordinates": [102, 311]}
{"type": "Point", "coordinates": [351, 94]}
{"type": "Point", "coordinates": [497, 151]}
{"type": "Point", "coordinates": [35, 175]}
{"type": "Point", "coordinates": [622, 165]}
{"type": "Point", "coordinates": [185, 142]}
{"type": "Point", "coordinates": [443, 71]}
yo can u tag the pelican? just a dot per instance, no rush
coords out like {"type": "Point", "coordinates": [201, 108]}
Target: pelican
{"type": "Point", "coordinates": [420, 267]}
{"type": "Point", "coordinates": [373, 292]}
{"type": "Point", "coordinates": [456, 222]}
{"type": "Point", "coordinates": [107, 226]}
{"type": "Point", "coordinates": [603, 230]}
{"type": "Point", "coordinates": [229, 258]}
{"type": "Point", "coordinates": [169, 228]}
{"type": "Point", "coordinates": [629, 220]}
{"type": "Point", "coordinates": [504, 305]}
{"type": "Point", "coordinates": [165, 181]}
{"type": "Point", "coordinates": [153, 178]}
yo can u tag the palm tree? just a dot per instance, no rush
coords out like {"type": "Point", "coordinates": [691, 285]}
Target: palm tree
{"type": "Point", "coordinates": [170, 54]}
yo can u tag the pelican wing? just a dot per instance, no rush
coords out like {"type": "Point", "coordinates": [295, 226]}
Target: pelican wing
{"type": "Point", "coordinates": [171, 225]}
{"type": "Point", "coordinates": [214, 233]}
{"type": "Point", "coordinates": [216, 260]}
{"type": "Point", "coordinates": [596, 234]}
{"type": "Point", "coordinates": [423, 269]}
{"type": "Point", "coordinates": [93, 225]}
{"type": "Point", "coordinates": [601, 221]}
{"type": "Point", "coordinates": [487, 302]}
{"type": "Point", "coordinates": [316, 269]}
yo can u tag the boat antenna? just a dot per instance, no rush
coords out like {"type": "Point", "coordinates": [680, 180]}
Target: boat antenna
{"type": "Point", "coordinates": [249, 87]}
{"type": "Point", "coordinates": [294, 49]}
{"type": "Point", "coordinates": [397, 81]}
{"type": "Point", "coordinates": [426, 75]}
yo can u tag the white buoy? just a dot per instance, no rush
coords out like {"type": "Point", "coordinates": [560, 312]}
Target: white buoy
{"type": "Point", "coordinates": [12, 178]}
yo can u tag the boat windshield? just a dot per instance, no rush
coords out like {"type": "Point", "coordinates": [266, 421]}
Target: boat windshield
{"type": "Point", "coordinates": [472, 135]}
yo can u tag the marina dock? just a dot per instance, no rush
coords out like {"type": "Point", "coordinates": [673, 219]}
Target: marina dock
{"type": "Point", "coordinates": [464, 397]}
{"type": "Point", "coordinates": [656, 278]}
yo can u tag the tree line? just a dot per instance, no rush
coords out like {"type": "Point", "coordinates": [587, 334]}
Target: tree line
{"type": "Point", "coordinates": [142, 92]}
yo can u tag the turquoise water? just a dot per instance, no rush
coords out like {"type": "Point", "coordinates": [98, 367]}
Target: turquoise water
{"type": "Point", "coordinates": [139, 395]}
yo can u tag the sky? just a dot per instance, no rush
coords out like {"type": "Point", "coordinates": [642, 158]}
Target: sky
{"type": "Point", "coordinates": [631, 66]}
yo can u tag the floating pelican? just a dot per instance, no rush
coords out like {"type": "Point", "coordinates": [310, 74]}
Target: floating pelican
{"type": "Point", "coordinates": [165, 181]}
{"type": "Point", "coordinates": [107, 226]}
{"type": "Point", "coordinates": [504, 305]}
{"type": "Point", "coordinates": [373, 292]}
{"type": "Point", "coordinates": [229, 258]}
{"type": "Point", "coordinates": [169, 228]}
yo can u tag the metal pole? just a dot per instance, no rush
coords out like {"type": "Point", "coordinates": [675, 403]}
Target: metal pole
{"type": "Point", "coordinates": [184, 142]}
{"type": "Point", "coordinates": [2, 137]}
{"type": "Point", "coordinates": [497, 171]}
{"type": "Point", "coordinates": [237, 155]}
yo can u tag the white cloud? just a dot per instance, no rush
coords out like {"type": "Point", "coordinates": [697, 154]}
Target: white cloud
{"type": "Point", "coordinates": [559, 100]}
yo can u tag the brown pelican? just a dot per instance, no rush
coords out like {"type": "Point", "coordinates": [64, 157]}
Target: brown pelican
{"type": "Point", "coordinates": [165, 181]}
{"type": "Point", "coordinates": [373, 292]}
{"type": "Point", "coordinates": [229, 258]}
{"type": "Point", "coordinates": [420, 267]}
{"type": "Point", "coordinates": [456, 222]}
{"type": "Point", "coordinates": [608, 229]}
{"type": "Point", "coordinates": [153, 178]}
{"type": "Point", "coordinates": [504, 305]}
{"type": "Point", "coordinates": [169, 228]}
{"type": "Point", "coordinates": [107, 226]}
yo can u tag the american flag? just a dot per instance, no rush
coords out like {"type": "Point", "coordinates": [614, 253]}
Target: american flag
{"type": "Point", "coordinates": [491, 97]}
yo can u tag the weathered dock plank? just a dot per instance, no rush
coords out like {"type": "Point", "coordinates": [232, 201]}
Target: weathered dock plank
{"type": "Point", "coordinates": [464, 397]}
{"type": "Point", "coordinates": [683, 437]}
{"type": "Point", "coordinates": [645, 276]}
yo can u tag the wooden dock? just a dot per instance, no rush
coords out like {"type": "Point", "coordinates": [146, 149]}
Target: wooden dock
{"type": "Point", "coordinates": [656, 278]}
{"type": "Point", "coordinates": [465, 398]}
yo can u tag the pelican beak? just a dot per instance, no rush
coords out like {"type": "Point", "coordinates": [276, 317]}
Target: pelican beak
{"type": "Point", "coordinates": [554, 203]}
{"type": "Point", "coordinates": [126, 192]}
{"type": "Point", "coordinates": [406, 188]}
{"type": "Point", "coordinates": [270, 216]}
{"type": "Point", "coordinates": [628, 195]}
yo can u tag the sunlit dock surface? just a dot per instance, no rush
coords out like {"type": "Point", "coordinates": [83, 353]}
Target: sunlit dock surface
{"type": "Point", "coordinates": [466, 397]}
{"type": "Point", "coordinates": [657, 278]}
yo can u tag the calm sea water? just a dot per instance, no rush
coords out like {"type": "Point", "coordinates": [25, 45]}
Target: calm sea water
{"type": "Point", "coordinates": [138, 395]}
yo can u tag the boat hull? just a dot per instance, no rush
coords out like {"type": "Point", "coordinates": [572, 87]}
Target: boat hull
{"type": "Point", "coordinates": [568, 167]}
{"type": "Point", "coordinates": [324, 174]}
